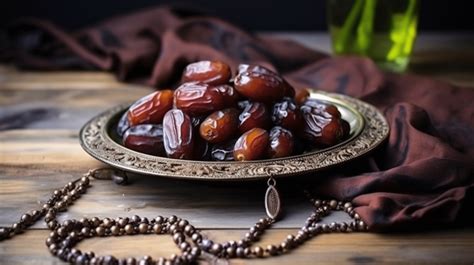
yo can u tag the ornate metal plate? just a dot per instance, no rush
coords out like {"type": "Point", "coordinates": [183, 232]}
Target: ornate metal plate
{"type": "Point", "coordinates": [368, 129]}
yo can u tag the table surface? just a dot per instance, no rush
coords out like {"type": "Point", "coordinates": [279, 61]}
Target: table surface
{"type": "Point", "coordinates": [41, 113]}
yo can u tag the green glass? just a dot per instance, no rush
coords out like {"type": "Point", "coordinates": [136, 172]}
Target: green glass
{"type": "Point", "coordinates": [384, 30]}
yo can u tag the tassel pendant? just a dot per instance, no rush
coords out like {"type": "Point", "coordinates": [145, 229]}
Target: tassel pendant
{"type": "Point", "coordinates": [272, 200]}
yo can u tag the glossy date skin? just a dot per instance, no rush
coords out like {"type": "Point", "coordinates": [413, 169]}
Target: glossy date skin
{"type": "Point", "coordinates": [323, 125]}
{"type": "Point", "coordinates": [123, 124]}
{"type": "Point", "coordinates": [178, 134]}
{"type": "Point", "coordinates": [301, 95]}
{"type": "Point", "coordinates": [243, 104]}
{"type": "Point", "coordinates": [287, 114]}
{"type": "Point", "coordinates": [151, 108]}
{"type": "Point", "coordinates": [260, 84]}
{"type": "Point", "coordinates": [281, 142]}
{"type": "Point", "coordinates": [322, 107]}
{"type": "Point", "coordinates": [213, 116]}
{"type": "Point", "coordinates": [229, 95]}
{"type": "Point", "coordinates": [145, 138]}
{"type": "Point", "coordinates": [254, 115]}
{"type": "Point", "coordinates": [196, 98]}
{"type": "Point", "coordinates": [289, 91]}
{"type": "Point", "coordinates": [223, 151]}
{"type": "Point", "coordinates": [209, 72]}
{"type": "Point", "coordinates": [251, 145]}
{"type": "Point", "coordinates": [220, 126]}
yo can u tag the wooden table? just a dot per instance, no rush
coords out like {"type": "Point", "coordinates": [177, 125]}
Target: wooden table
{"type": "Point", "coordinates": [41, 113]}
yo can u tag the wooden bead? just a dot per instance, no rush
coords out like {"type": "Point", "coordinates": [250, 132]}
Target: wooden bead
{"type": "Point", "coordinates": [184, 245]}
{"type": "Point", "coordinates": [100, 231]}
{"type": "Point", "coordinates": [157, 228]}
{"type": "Point", "coordinates": [196, 237]}
{"type": "Point", "coordinates": [26, 218]}
{"type": "Point", "coordinates": [159, 219]}
{"type": "Point", "coordinates": [258, 252]}
{"type": "Point", "coordinates": [143, 228]}
{"type": "Point", "coordinates": [107, 222]}
{"type": "Point", "coordinates": [178, 238]}
{"type": "Point", "coordinates": [239, 252]}
{"type": "Point", "coordinates": [172, 219]}
{"type": "Point", "coordinates": [136, 218]}
{"type": "Point", "coordinates": [86, 231]}
{"type": "Point", "coordinates": [216, 248]}
{"type": "Point", "coordinates": [115, 230]}
{"type": "Point", "coordinates": [123, 222]}
{"type": "Point", "coordinates": [182, 223]}
{"type": "Point", "coordinates": [129, 229]}
{"type": "Point", "coordinates": [230, 251]}
{"type": "Point", "coordinates": [272, 250]}
{"type": "Point", "coordinates": [131, 261]}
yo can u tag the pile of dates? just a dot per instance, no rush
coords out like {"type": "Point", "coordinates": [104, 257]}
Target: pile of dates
{"type": "Point", "coordinates": [214, 116]}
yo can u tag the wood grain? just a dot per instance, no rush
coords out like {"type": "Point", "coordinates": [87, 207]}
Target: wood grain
{"type": "Point", "coordinates": [34, 162]}
{"type": "Point", "coordinates": [447, 247]}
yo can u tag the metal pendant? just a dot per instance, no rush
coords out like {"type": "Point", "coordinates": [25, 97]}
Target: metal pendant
{"type": "Point", "coordinates": [272, 200]}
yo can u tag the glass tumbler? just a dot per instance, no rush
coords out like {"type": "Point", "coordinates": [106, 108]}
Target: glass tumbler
{"type": "Point", "coordinates": [383, 30]}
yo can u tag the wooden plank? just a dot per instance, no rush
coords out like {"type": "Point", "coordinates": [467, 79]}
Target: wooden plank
{"type": "Point", "coordinates": [35, 162]}
{"type": "Point", "coordinates": [59, 109]}
{"type": "Point", "coordinates": [445, 247]}
{"type": "Point", "coordinates": [12, 79]}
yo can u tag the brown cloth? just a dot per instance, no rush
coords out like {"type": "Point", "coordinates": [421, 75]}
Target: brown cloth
{"type": "Point", "coordinates": [423, 176]}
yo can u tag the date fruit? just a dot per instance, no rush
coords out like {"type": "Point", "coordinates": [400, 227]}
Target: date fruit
{"type": "Point", "coordinates": [145, 138]}
{"type": "Point", "coordinates": [281, 142]}
{"type": "Point", "coordinates": [289, 91]}
{"type": "Point", "coordinates": [229, 95]}
{"type": "Point", "coordinates": [323, 108]}
{"type": "Point", "coordinates": [220, 126]}
{"type": "Point", "coordinates": [202, 149]}
{"type": "Point", "coordinates": [254, 115]}
{"type": "Point", "coordinates": [253, 68]}
{"type": "Point", "coordinates": [243, 104]}
{"type": "Point", "coordinates": [197, 120]}
{"type": "Point", "coordinates": [178, 134]}
{"type": "Point", "coordinates": [212, 115]}
{"type": "Point", "coordinates": [251, 145]}
{"type": "Point", "coordinates": [287, 115]}
{"type": "Point", "coordinates": [322, 124]}
{"type": "Point", "coordinates": [151, 108]}
{"type": "Point", "coordinates": [223, 151]}
{"type": "Point", "coordinates": [346, 128]}
{"type": "Point", "coordinates": [123, 124]}
{"type": "Point", "coordinates": [262, 85]}
{"type": "Point", "coordinates": [196, 98]}
{"type": "Point", "coordinates": [209, 72]}
{"type": "Point", "coordinates": [301, 95]}
{"type": "Point", "coordinates": [332, 133]}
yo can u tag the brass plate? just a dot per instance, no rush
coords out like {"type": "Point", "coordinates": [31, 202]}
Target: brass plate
{"type": "Point", "coordinates": [368, 129]}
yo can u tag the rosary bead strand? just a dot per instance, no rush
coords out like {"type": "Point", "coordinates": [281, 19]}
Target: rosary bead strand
{"type": "Point", "coordinates": [64, 237]}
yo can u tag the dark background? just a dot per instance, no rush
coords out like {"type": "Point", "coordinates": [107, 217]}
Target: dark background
{"type": "Point", "coordinates": [294, 15]}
